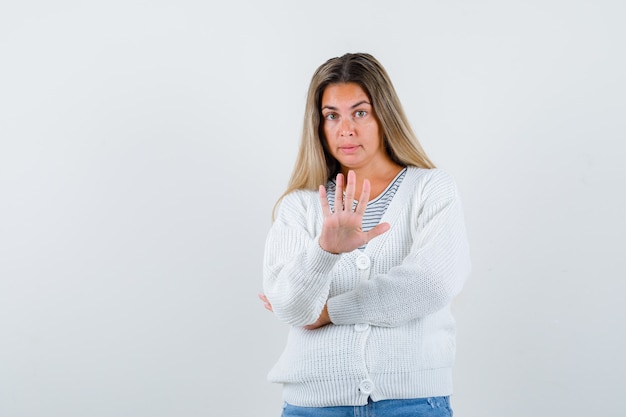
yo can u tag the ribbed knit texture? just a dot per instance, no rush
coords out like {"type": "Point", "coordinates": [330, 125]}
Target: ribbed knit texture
{"type": "Point", "coordinates": [392, 335]}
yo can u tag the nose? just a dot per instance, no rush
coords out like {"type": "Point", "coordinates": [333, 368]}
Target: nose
{"type": "Point", "coordinates": [346, 128]}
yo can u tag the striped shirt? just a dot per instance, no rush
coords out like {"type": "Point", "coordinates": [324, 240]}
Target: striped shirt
{"type": "Point", "coordinates": [376, 207]}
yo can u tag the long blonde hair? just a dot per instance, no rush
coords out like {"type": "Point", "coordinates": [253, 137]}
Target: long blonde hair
{"type": "Point", "coordinates": [314, 164]}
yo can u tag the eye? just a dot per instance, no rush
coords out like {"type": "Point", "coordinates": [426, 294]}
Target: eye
{"type": "Point", "coordinates": [360, 113]}
{"type": "Point", "coordinates": [331, 116]}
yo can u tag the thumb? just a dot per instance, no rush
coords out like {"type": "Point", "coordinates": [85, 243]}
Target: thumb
{"type": "Point", "coordinates": [378, 230]}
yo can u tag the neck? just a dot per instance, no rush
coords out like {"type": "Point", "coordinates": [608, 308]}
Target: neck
{"type": "Point", "coordinates": [379, 176]}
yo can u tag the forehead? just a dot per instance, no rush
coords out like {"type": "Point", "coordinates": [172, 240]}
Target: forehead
{"type": "Point", "coordinates": [343, 93]}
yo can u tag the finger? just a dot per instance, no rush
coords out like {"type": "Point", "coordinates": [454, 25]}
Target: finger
{"type": "Point", "coordinates": [324, 201]}
{"type": "Point", "coordinates": [364, 198]}
{"type": "Point", "coordinates": [339, 205]}
{"type": "Point", "coordinates": [350, 190]}
{"type": "Point", "coordinates": [266, 302]}
{"type": "Point", "coordinates": [312, 326]}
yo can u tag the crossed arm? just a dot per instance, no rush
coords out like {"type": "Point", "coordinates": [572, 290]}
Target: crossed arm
{"type": "Point", "coordinates": [341, 228]}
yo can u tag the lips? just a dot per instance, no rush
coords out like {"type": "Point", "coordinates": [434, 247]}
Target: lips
{"type": "Point", "coordinates": [348, 149]}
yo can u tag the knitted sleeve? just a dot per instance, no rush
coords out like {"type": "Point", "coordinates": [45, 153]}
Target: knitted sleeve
{"type": "Point", "coordinates": [296, 270]}
{"type": "Point", "coordinates": [429, 277]}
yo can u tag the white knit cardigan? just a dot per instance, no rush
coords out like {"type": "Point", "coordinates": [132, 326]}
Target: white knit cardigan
{"type": "Point", "coordinates": [392, 334]}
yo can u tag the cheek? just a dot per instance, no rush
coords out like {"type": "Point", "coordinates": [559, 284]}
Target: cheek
{"type": "Point", "coordinates": [370, 129]}
{"type": "Point", "coordinates": [329, 132]}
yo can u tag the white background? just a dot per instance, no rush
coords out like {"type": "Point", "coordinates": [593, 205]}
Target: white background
{"type": "Point", "coordinates": [144, 143]}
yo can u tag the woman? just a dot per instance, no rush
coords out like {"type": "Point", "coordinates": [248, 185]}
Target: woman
{"type": "Point", "coordinates": [365, 266]}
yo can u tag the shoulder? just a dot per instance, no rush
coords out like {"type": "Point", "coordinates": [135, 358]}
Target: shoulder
{"type": "Point", "coordinates": [296, 204]}
{"type": "Point", "coordinates": [299, 198]}
{"type": "Point", "coordinates": [431, 181]}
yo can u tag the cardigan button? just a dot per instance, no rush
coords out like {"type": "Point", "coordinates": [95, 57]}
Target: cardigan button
{"type": "Point", "coordinates": [361, 327]}
{"type": "Point", "coordinates": [366, 386]}
{"type": "Point", "coordinates": [363, 261]}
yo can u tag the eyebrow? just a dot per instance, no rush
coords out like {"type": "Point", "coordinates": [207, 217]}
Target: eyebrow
{"type": "Point", "coordinates": [352, 107]}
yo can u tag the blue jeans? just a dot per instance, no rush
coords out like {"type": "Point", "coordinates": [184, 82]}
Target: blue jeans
{"type": "Point", "coordinates": [418, 407]}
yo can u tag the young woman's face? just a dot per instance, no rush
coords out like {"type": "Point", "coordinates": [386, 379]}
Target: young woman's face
{"type": "Point", "coordinates": [352, 132]}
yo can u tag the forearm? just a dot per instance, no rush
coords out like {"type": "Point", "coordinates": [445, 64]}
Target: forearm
{"type": "Point", "coordinates": [400, 296]}
{"type": "Point", "coordinates": [297, 282]}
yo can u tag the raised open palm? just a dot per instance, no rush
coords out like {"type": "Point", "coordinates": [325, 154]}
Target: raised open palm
{"type": "Point", "coordinates": [341, 229]}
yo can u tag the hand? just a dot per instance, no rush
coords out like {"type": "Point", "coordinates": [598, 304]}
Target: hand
{"type": "Point", "coordinates": [341, 230]}
{"type": "Point", "coordinates": [323, 320]}
{"type": "Point", "coordinates": [266, 302]}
